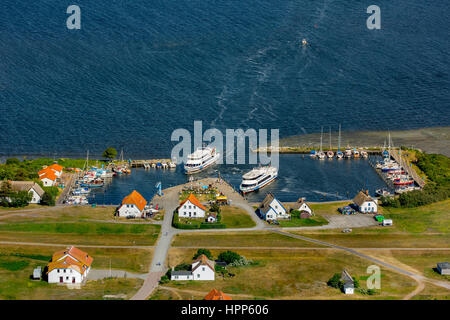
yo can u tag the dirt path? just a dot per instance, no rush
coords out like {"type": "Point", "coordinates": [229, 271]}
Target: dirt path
{"type": "Point", "coordinates": [420, 287]}
{"type": "Point", "coordinates": [71, 244]}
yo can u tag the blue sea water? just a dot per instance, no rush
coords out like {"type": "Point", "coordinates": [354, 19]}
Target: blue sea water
{"type": "Point", "coordinates": [298, 176]}
{"type": "Point", "coordinates": [139, 69]}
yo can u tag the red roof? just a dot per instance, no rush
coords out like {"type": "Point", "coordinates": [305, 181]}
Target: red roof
{"type": "Point", "coordinates": [56, 167]}
{"type": "Point", "coordinates": [194, 201]}
{"type": "Point", "coordinates": [217, 295]}
{"type": "Point", "coordinates": [135, 198]}
{"type": "Point", "coordinates": [49, 175]}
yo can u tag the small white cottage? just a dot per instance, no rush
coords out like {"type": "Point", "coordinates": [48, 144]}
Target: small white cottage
{"type": "Point", "coordinates": [191, 208]}
{"type": "Point", "coordinates": [272, 209]}
{"type": "Point", "coordinates": [202, 269]}
{"type": "Point", "coordinates": [132, 205]}
{"type": "Point", "coordinates": [48, 177]}
{"type": "Point", "coordinates": [30, 186]}
{"type": "Point", "coordinates": [364, 203]}
{"type": "Point", "coordinates": [349, 285]}
{"type": "Point", "coordinates": [69, 266]}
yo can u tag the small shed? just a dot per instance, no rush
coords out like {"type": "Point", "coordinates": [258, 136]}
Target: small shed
{"type": "Point", "coordinates": [37, 273]}
{"type": "Point", "coordinates": [211, 218]}
{"type": "Point", "coordinates": [443, 268]}
{"type": "Point", "coordinates": [349, 286]}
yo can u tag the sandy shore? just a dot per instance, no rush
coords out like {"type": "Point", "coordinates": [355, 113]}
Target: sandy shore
{"type": "Point", "coordinates": [430, 140]}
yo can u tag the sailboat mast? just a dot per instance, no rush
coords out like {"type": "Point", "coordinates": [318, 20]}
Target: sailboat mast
{"type": "Point", "coordinates": [339, 140]}
{"type": "Point", "coordinates": [330, 137]}
{"type": "Point", "coordinates": [321, 134]}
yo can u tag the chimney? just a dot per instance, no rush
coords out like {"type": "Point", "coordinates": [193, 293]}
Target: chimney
{"type": "Point", "coordinates": [367, 192]}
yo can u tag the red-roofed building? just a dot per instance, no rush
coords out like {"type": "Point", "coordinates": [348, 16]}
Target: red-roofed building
{"type": "Point", "coordinates": [217, 295]}
{"type": "Point", "coordinates": [191, 208]}
{"type": "Point", "coordinates": [132, 205]}
{"type": "Point", "coordinates": [57, 169]}
{"type": "Point", "coordinates": [69, 266]}
{"type": "Point", "coordinates": [48, 177]}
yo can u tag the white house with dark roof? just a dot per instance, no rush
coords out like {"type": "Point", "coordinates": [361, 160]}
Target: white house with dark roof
{"type": "Point", "coordinates": [349, 285]}
{"type": "Point", "coordinates": [365, 203]}
{"type": "Point", "coordinates": [30, 186]}
{"type": "Point", "coordinates": [272, 209]}
{"type": "Point", "coordinates": [443, 268]}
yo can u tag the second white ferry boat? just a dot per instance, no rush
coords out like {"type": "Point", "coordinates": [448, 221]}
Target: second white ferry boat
{"type": "Point", "coordinates": [258, 178]}
{"type": "Point", "coordinates": [200, 159]}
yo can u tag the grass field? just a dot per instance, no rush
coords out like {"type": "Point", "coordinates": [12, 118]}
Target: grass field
{"type": "Point", "coordinates": [287, 274]}
{"type": "Point", "coordinates": [297, 222]}
{"type": "Point", "coordinates": [17, 264]}
{"type": "Point", "coordinates": [235, 217]}
{"type": "Point", "coordinates": [232, 217]}
{"type": "Point", "coordinates": [238, 239]}
{"type": "Point", "coordinates": [81, 233]}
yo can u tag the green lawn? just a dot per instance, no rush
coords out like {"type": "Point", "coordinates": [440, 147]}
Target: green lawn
{"type": "Point", "coordinates": [297, 222]}
{"type": "Point", "coordinates": [234, 217]}
{"type": "Point", "coordinates": [81, 233]}
{"type": "Point", "coordinates": [238, 239]}
{"type": "Point", "coordinates": [231, 217]}
{"type": "Point", "coordinates": [429, 218]}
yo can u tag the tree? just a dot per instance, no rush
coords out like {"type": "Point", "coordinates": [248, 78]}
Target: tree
{"type": "Point", "coordinates": [48, 199]}
{"type": "Point", "coordinates": [20, 198]}
{"type": "Point", "coordinates": [12, 161]}
{"type": "Point", "coordinates": [229, 256]}
{"type": "Point", "coordinates": [110, 153]}
{"type": "Point", "coordinates": [334, 281]}
{"type": "Point", "coordinates": [214, 208]}
{"type": "Point", "coordinates": [206, 252]}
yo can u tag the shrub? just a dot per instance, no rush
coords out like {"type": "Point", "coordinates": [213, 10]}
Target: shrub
{"type": "Point", "coordinates": [229, 256]}
{"type": "Point", "coordinates": [206, 252]}
{"type": "Point", "coordinates": [48, 199]}
{"type": "Point", "coordinates": [242, 262]}
{"type": "Point", "coordinates": [334, 281]}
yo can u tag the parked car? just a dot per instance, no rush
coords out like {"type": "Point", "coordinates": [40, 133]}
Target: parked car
{"type": "Point", "coordinates": [379, 218]}
{"type": "Point", "coordinates": [347, 210]}
{"type": "Point", "coordinates": [347, 230]}
{"type": "Point", "coordinates": [387, 222]}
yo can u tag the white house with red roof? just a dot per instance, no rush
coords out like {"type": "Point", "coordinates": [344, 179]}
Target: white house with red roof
{"type": "Point", "coordinates": [132, 205]}
{"type": "Point", "coordinates": [191, 208]}
{"type": "Point", "coordinates": [57, 169]}
{"type": "Point", "coordinates": [69, 266]}
{"type": "Point", "coordinates": [202, 269]}
{"type": "Point", "coordinates": [48, 177]}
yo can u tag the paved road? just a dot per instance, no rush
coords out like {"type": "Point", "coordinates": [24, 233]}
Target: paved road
{"type": "Point", "coordinates": [97, 274]}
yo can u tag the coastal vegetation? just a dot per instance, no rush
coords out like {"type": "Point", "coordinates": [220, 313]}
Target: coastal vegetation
{"type": "Point", "coordinates": [289, 274]}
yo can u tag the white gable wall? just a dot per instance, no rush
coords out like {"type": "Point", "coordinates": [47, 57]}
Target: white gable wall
{"type": "Point", "coordinates": [126, 210]}
{"type": "Point", "coordinates": [203, 273]}
{"type": "Point", "coordinates": [64, 276]}
{"type": "Point", "coordinates": [190, 210]}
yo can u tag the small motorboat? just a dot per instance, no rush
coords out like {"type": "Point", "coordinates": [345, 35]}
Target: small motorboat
{"type": "Point", "coordinates": [330, 154]}
{"type": "Point", "coordinates": [304, 42]}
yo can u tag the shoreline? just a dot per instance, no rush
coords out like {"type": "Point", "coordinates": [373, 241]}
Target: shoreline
{"type": "Point", "coordinates": [427, 139]}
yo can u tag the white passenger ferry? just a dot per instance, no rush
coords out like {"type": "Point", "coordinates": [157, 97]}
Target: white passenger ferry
{"type": "Point", "coordinates": [200, 159]}
{"type": "Point", "coordinates": [258, 178]}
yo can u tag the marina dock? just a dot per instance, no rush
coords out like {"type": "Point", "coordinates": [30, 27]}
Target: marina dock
{"type": "Point", "coordinates": [145, 163]}
{"type": "Point", "coordinates": [411, 172]}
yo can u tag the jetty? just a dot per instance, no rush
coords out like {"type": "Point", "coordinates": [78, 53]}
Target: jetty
{"type": "Point", "coordinates": [411, 172]}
